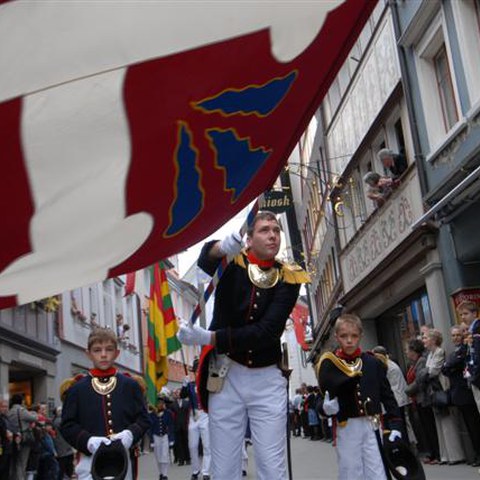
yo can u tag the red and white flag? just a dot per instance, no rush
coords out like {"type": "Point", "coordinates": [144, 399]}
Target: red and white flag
{"type": "Point", "coordinates": [131, 130]}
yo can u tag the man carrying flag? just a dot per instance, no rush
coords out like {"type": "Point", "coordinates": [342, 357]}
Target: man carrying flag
{"type": "Point", "coordinates": [254, 298]}
{"type": "Point", "coordinates": [162, 329]}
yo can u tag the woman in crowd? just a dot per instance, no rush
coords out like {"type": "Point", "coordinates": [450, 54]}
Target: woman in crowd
{"type": "Point", "coordinates": [451, 451]}
{"type": "Point", "coordinates": [421, 403]}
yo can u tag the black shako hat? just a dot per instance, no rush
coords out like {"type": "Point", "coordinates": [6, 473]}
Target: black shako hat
{"type": "Point", "coordinates": [110, 462]}
{"type": "Point", "coordinates": [401, 461]}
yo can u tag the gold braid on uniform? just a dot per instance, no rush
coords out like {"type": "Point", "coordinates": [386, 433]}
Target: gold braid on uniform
{"type": "Point", "coordinates": [67, 384]}
{"type": "Point", "coordinates": [350, 369]}
{"type": "Point", "coordinates": [288, 272]}
{"type": "Point", "coordinates": [382, 358]}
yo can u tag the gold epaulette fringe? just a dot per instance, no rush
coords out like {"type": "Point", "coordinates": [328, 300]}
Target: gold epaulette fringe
{"type": "Point", "coordinates": [67, 384]}
{"type": "Point", "coordinates": [240, 260]}
{"type": "Point", "coordinates": [141, 381]}
{"type": "Point", "coordinates": [293, 273]}
{"type": "Point", "coordinates": [382, 358]}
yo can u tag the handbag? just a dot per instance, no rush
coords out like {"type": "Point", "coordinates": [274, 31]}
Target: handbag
{"type": "Point", "coordinates": [441, 398]}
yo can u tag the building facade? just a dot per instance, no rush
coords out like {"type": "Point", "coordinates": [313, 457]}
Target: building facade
{"type": "Point", "coordinates": [392, 262]}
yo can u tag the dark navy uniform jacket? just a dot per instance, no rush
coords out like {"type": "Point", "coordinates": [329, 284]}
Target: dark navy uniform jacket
{"type": "Point", "coordinates": [86, 413]}
{"type": "Point", "coordinates": [453, 368]}
{"type": "Point", "coordinates": [162, 424]}
{"type": "Point", "coordinates": [249, 320]}
{"type": "Point", "coordinates": [361, 395]}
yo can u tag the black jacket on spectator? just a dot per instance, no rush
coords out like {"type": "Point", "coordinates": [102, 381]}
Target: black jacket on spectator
{"type": "Point", "coordinates": [454, 366]}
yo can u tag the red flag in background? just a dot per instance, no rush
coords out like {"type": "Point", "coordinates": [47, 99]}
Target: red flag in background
{"type": "Point", "coordinates": [132, 131]}
{"type": "Point", "coordinates": [130, 283]}
{"type": "Point", "coordinates": [300, 323]}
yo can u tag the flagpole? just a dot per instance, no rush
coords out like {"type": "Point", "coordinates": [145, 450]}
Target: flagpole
{"type": "Point", "coordinates": [200, 307]}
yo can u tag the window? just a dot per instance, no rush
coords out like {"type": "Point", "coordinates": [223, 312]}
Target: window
{"type": "Point", "coordinates": [433, 61]}
{"type": "Point", "coordinates": [108, 303]}
{"type": "Point", "coordinates": [93, 298]}
{"type": "Point", "coordinates": [467, 24]}
{"type": "Point", "coordinates": [445, 89]}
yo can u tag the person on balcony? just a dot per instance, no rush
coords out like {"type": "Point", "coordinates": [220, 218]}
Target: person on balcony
{"type": "Point", "coordinates": [394, 163]}
{"type": "Point", "coordinates": [379, 187]}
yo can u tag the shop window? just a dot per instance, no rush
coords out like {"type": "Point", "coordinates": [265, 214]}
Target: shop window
{"type": "Point", "coordinates": [23, 388]}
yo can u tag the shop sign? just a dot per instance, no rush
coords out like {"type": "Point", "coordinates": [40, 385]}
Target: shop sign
{"type": "Point", "coordinates": [277, 201]}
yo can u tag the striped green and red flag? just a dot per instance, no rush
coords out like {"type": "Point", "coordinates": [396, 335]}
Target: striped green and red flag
{"type": "Point", "coordinates": [162, 329]}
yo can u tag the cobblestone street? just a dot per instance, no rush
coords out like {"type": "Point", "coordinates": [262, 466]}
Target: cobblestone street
{"type": "Point", "coordinates": [311, 461]}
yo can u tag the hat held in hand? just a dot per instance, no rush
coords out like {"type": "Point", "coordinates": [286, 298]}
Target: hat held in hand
{"type": "Point", "coordinates": [110, 462]}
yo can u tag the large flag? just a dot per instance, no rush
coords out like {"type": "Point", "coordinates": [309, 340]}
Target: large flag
{"type": "Point", "coordinates": [131, 130]}
{"type": "Point", "coordinates": [162, 329]}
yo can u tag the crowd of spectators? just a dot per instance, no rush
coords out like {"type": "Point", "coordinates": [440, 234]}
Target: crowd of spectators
{"type": "Point", "coordinates": [304, 419]}
{"type": "Point", "coordinates": [31, 446]}
{"type": "Point", "coordinates": [442, 387]}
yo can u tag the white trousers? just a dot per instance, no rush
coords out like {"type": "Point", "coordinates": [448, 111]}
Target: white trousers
{"type": "Point", "coordinates": [162, 453]}
{"type": "Point", "coordinates": [198, 428]}
{"type": "Point", "coordinates": [258, 394]}
{"type": "Point", "coordinates": [357, 451]}
{"type": "Point", "coordinates": [84, 468]}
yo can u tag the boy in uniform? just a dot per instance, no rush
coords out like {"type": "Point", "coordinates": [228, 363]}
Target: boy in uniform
{"type": "Point", "coordinates": [468, 312]}
{"type": "Point", "coordinates": [102, 406]}
{"type": "Point", "coordinates": [355, 387]}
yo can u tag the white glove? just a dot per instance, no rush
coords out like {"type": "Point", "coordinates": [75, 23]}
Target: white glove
{"type": "Point", "coordinates": [330, 407]}
{"type": "Point", "coordinates": [394, 434]}
{"type": "Point", "coordinates": [95, 442]}
{"type": "Point", "coordinates": [125, 436]}
{"type": "Point", "coordinates": [231, 244]}
{"type": "Point", "coordinates": [189, 334]}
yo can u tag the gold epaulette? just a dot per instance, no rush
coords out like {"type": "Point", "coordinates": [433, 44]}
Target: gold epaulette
{"type": "Point", "coordinates": [240, 260]}
{"type": "Point", "coordinates": [289, 272]}
{"type": "Point", "coordinates": [293, 273]}
{"type": "Point", "coordinates": [68, 383]}
{"type": "Point", "coordinates": [141, 381]}
{"type": "Point", "coordinates": [382, 358]}
{"type": "Point", "coordinates": [350, 369]}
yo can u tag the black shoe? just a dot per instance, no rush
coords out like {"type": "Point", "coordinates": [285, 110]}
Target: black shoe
{"type": "Point", "coordinates": [244, 473]}
{"type": "Point", "coordinates": [194, 476]}
{"type": "Point", "coordinates": [181, 463]}
{"type": "Point", "coordinates": [206, 477]}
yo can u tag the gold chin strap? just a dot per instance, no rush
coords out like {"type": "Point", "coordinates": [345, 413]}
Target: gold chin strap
{"type": "Point", "coordinates": [263, 278]}
{"type": "Point", "coordinates": [104, 388]}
